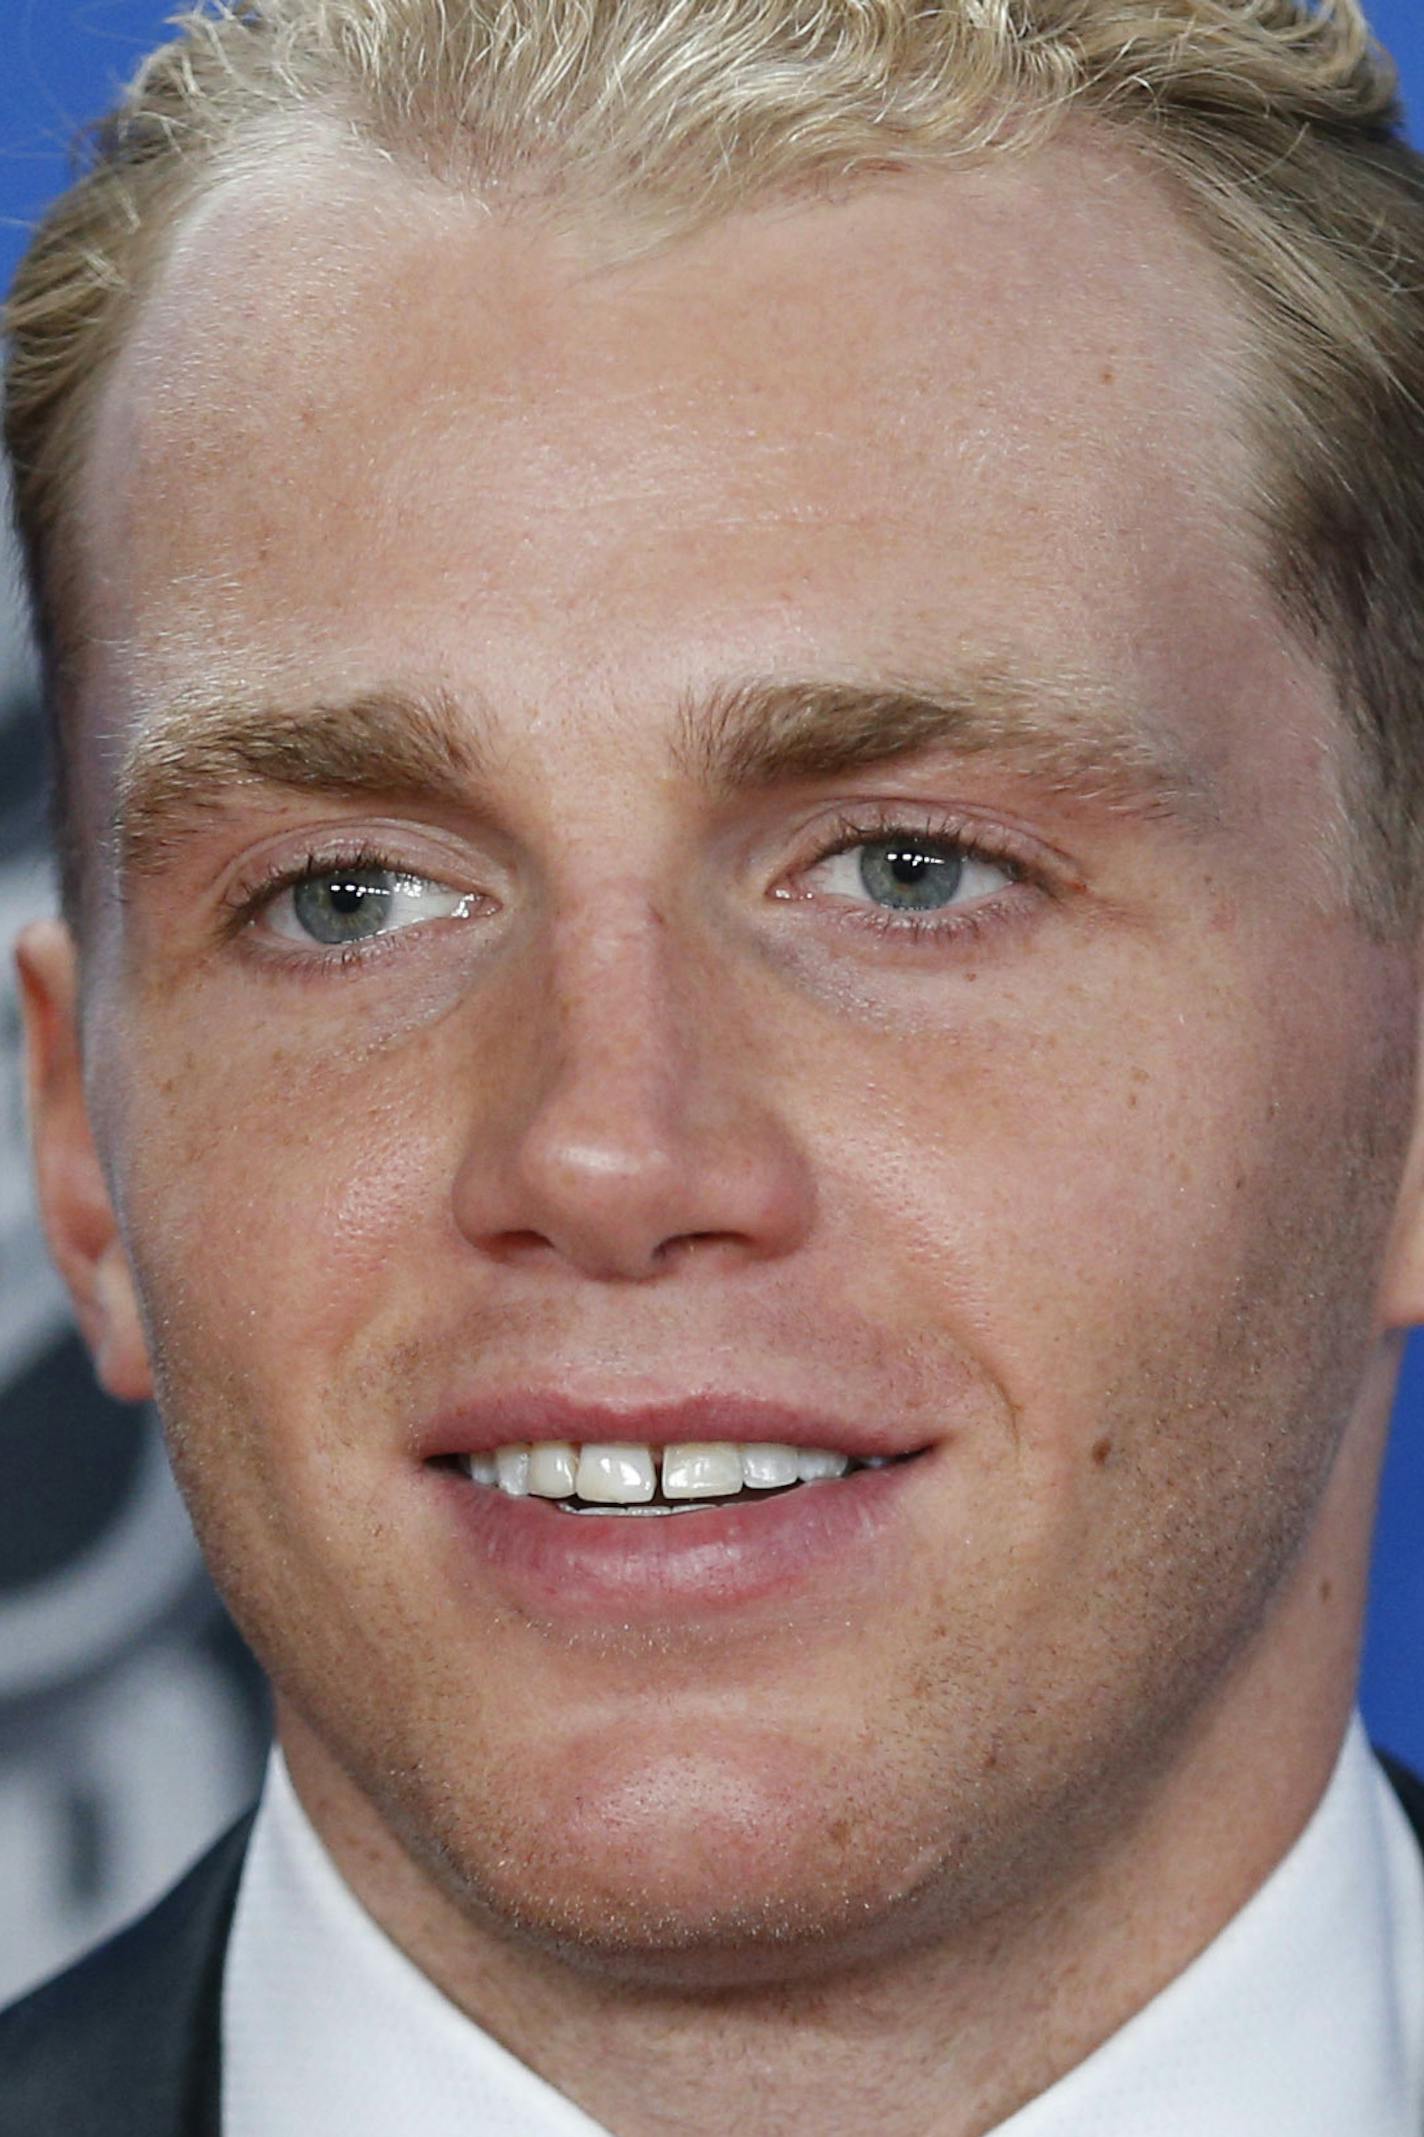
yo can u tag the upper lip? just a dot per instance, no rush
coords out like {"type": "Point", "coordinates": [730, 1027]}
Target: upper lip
{"type": "Point", "coordinates": [527, 1416]}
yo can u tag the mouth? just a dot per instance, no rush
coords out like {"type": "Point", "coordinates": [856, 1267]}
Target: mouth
{"type": "Point", "coordinates": [586, 1511]}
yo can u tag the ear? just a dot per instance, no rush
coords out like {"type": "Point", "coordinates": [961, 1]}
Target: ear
{"type": "Point", "coordinates": [1401, 1300]}
{"type": "Point", "coordinates": [74, 1199]}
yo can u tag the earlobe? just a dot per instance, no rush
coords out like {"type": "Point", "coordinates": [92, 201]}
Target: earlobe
{"type": "Point", "coordinates": [74, 1199]}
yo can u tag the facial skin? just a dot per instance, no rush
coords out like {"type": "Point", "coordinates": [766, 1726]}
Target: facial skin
{"type": "Point", "coordinates": [1105, 1189]}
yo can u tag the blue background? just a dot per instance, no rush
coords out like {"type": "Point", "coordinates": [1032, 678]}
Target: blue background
{"type": "Point", "coordinates": [59, 60]}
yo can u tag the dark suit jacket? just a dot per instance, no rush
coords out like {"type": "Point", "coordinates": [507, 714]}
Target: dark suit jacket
{"type": "Point", "coordinates": [126, 2044]}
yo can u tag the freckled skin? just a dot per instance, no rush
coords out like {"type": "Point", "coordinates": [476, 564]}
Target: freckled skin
{"type": "Point", "coordinates": [1120, 1192]}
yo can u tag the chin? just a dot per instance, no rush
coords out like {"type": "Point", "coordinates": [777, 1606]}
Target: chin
{"type": "Point", "coordinates": [685, 1869]}
{"type": "Point", "coordinates": [666, 1929]}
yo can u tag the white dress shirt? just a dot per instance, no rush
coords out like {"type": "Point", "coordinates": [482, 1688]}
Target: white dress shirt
{"type": "Point", "coordinates": [1305, 2017]}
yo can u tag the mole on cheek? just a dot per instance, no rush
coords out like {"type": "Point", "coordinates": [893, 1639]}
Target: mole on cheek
{"type": "Point", "coordinates": [1102, 1452]}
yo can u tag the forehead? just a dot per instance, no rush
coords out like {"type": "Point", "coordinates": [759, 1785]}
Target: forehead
{"type": "Point", "coordinates": [365, 424]}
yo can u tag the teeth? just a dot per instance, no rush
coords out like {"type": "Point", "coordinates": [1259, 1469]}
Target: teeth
{"type": "Point", "coordinates": [765, 1467]}
{"type": "Point", "coordinates": [628, 1475]}
{"type": "Point", "coordinates": [814, 1462]}
{"type": "Point", "coordinates": [710, 1471]}
{"type": "Point", "coordinates": [512, 1470]}
{"type": "Point", "coordinates": [616, 1476]}
{"type": "Point", "coordinates": [553, 1469]}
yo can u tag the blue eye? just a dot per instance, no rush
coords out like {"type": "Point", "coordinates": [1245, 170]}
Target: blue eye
{"type": "Point", "coordinates": [346, 907]}
{"type": "Point", "coordinates": [339, 903]}
{"type": "Point", "coordinates": [911, 875]}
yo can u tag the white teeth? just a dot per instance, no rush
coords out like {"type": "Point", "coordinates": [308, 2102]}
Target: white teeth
{"type": "Point", "coordinates": [553, 1469]}
{"type": "Point", "coordinates": [711, 1470]}
{"type": "Point", "coordinates": [512, 1469]}
{"type": "Point", "coordinates": [814, 1462]}
{"type": "Point", "coordinates": [764, 1467]}
{"type": "Point", "coordinates": [616, 1476]}
{"type": "Point", "coordinates": [628, 1475]}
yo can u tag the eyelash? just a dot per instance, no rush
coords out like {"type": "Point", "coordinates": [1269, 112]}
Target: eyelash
{"type": "Point", "coordinates": [244, 902]}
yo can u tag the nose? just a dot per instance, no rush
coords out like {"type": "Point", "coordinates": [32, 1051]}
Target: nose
{"type": "Point", "coordinates": [632, 1119]}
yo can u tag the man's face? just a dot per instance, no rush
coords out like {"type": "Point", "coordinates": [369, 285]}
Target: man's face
{"type": "Point", "coordinates": [1058, 1156]}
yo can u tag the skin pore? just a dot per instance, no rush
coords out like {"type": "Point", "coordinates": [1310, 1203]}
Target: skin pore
{"type": "Point", "coordinates": [1101, 1179]}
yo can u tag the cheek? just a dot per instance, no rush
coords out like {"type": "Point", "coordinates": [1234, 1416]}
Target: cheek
{"type": "Point", "coordinates": [385, 1182]}
{"type": "Point", "coordinates": [263, 1192]}
{"type": "Point", "coordinates": [1126, 1198]}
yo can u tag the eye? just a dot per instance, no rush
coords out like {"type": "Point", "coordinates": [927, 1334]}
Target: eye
{"type": "Point", "coordinates": [339, 904]}
{"type": "Point", "coordinates": [912, 873]}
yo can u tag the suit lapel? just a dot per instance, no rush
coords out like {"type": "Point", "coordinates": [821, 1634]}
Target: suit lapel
{"type": "Point", "coordinates": [1410, 1791]}
{"type": "Point", "coordinates": [127, 2044]}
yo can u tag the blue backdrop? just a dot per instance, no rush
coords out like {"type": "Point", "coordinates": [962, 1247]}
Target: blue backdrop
{"type": "Point", "coordinates": [58, 62]}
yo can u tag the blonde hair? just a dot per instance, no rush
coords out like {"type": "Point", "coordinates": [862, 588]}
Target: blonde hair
{"type": "Point", "coordinates": [1276, 122]}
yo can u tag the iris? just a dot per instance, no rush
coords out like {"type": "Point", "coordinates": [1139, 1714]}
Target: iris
{"type": "Point", "coordinates": [913, 879]}
{"type": "Point", "coordinates": [347, 907]}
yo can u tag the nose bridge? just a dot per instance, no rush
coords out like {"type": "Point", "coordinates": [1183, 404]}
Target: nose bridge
{"type": "Point", "coordinates": [632, 1122]}
{"type": "Point", "coordinates": [619, 980]}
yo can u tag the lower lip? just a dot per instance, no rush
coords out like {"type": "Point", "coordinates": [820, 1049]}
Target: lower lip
{"type": "Point", "coordinates": [553, 1564]}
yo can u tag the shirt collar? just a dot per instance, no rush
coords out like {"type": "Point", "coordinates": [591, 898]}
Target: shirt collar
{"type": "Point", "coordinates": [328, 2026]}
{"type": "Point", "coordinates": [1306, 2014]}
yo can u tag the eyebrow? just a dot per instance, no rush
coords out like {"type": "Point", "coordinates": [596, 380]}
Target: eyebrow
{"type": "Point", "coordinates": [1072, 732]}
{"type": "Point", "coordinates": [193, 757]}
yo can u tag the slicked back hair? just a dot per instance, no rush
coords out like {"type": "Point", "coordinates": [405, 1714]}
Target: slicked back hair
{"type": "Point", "coordinates": [1276, 122]}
